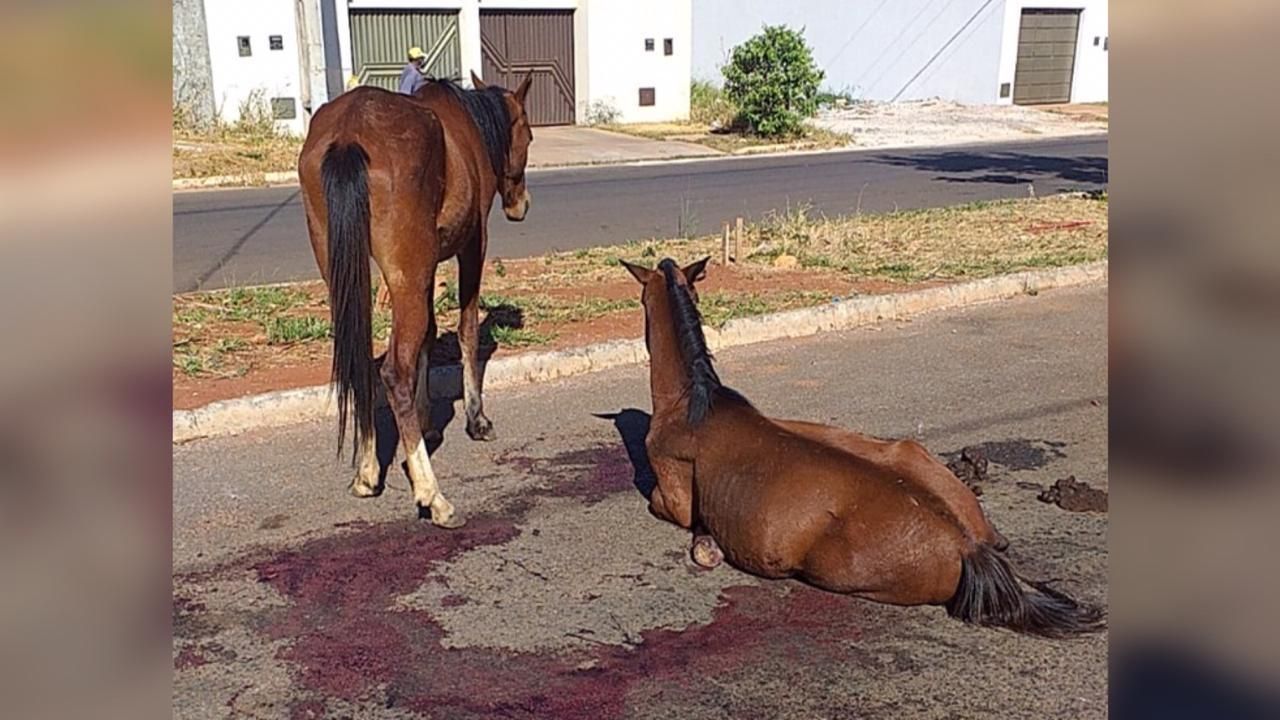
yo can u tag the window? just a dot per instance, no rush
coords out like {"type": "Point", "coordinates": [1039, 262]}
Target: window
{"type": "Point", "coordinates": [1004, 90]}
{"type": "Point", "coordinates": [242, 44]}
{"type": "Point", "coordinates": [668, 46]}
{"type": "Point", "coordinates": [276, 41]}
{"type": "Point", "coordinates": [648, 44]}
{"type": "Point", "coordinates": [646, 97]}
{"type": "Point", "coordinates": [284, 108]}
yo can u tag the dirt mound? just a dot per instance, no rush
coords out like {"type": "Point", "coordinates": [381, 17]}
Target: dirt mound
{"type": "Point", "coordinates": [1074, 496]}
{"type": "Point", "coordinates": [971, 467]}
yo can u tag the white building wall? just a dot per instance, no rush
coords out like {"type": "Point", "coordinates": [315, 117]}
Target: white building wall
{"type": "Point", "coordinates": [610, 62]}
{"type": "Point", "coordinates": [620, 65]}
{"type": "Point", "coordinates": [871, 49]}
{"type": "Point", "coordinates": [1089, 79]}
{"type": "Point", "coordinates": [272, 72]}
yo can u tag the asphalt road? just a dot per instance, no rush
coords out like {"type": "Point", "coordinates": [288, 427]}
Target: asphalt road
{"type": "Point", "coordinates": [564, 598]}
{"type": "Point", "coordinates": [234, 237]}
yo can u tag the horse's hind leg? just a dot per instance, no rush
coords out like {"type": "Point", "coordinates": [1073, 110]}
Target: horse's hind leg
{"type": "Point", "coordinates": [411, 305]}
{"type": "Point", "coordinates": [422, 397]}
{"type": "Point", "coordinates": [365, 483]}
{"type": "Point", "coordinates": [470, 268]}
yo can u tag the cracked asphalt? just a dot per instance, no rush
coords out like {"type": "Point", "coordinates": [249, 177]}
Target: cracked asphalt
{"type": "Point", "coordinates": [564, 598]}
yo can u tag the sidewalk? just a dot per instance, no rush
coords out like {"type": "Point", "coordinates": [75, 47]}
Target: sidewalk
{"type": "Point", "coordinates": [553, 147]}
{"type": "Point", "coordinates": [576, 145]}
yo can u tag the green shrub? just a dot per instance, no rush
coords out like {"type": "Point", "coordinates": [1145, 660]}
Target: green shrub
{"type": "Point", "coordinates": [773, 81]}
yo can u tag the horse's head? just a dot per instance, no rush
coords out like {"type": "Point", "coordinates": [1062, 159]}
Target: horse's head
{"type": "Point", "coordinates": [654, 284]}
{"type": "Point", "coordinates": [511, 185]}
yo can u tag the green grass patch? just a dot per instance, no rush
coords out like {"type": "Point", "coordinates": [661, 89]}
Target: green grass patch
{"type": "Point", "coordinates": [516, 337]}
{"type": "Point", "coordinates": [718, 308]}
{"type": "Point", "coordinates": [292, 329]}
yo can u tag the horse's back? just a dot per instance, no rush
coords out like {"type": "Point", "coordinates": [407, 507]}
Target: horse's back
{"type": "Point", "coordinates": [390, 127]}
{"type": "Point", "coordinates": [780, 502]}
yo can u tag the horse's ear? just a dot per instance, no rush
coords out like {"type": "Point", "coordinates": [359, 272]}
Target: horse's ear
{"type": "Point", "coordinates": [476, 82]}
{"type": "Point", "coordinates": [641, 274]}
{"type": "Point", "coordinates": [523, 90]}
{"type": "Point", "coordinates": [696, 271]}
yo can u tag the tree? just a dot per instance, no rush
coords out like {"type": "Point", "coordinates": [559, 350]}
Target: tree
{"type": "Point", "coordinates": [773, 80]}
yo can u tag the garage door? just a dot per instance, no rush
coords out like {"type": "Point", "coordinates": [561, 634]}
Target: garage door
{"type": "Point", "coordinates": [1046, 56]}
{"type": "Point", "coordinates": [380, 42]}
{"type": "Point", "coordinates": [515, 42]}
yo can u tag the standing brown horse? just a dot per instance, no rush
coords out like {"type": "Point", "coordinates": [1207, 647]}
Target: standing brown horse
{"type": "Point", "coordinates": [409, 181]}
{"type": "Point", "coordinates": [848, 513]}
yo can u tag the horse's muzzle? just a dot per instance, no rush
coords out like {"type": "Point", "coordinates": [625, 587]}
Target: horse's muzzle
{"type": "Point", "coordinates": [516, 212]}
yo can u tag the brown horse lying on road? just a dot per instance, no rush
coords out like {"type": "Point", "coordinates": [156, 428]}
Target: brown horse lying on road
{"type": "Point", "coordinates": [845, 512]}
{"type": "Point", "coordinates": [409, 181]}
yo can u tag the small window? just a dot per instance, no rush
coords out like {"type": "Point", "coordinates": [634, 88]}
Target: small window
{"type": "Point", "coordinates": [668, 46]}
{"type": "Point", "coordinates": [284, 108]}
{"type": "Point", "coordinates": [646, 97]}
{"type": "Point", "coordinates": [648, 44]}
{"type": "Point", "coordinates": [276, 41]}
{"type": "Point", "coordinates": [242, 44]}
{"type": "Point", "coordinates": [1004, 90]}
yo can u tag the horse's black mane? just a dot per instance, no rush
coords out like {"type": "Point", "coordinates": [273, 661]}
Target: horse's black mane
{"type": "Point", "coordinates": [488, 110]}
{"type": "Point", "coordinates": [704, 384]}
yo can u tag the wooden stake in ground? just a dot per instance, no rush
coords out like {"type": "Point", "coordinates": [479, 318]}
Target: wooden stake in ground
{"type": "Point", "coordinates": [724, 245]}
{"type": "Point", "coordinates": [383, 300]}
{"type": "Point", "coordinates": [737, 242]}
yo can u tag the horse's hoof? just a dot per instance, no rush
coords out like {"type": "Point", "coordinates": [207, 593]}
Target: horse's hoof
{"type": "Point", "coordinates": [453, 522]}
{"type": "Point", "coordinates": [361, 490]}
{"type": "Point", "coordinates": [481, 429]}
{"type": "Point", "coordinates": [706, 553]}
{"type": "Point", "coordinates": [432, 437]}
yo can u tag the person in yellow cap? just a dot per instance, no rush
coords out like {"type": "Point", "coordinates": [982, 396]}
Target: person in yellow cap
{"type": "Point", "coordinates": [412, 77]}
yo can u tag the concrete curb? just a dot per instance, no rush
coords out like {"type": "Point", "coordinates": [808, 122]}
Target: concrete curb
{"type": "Point", "coordinates": [287, 407]}
{"type": "Point", "coordinates": [246, 180]}
{"type": "Point", "coordinates": [251, 180]}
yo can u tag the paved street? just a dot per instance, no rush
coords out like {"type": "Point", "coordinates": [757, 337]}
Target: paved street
{"type": "Point", "coordinates": [564, 598]}
{"type": "Point", "coordinates": [229, 237]}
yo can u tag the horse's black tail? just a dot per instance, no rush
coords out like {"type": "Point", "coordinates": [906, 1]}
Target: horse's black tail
{"type": "Point", "coordinates": [346, 192]}
{"type": "Point", "coordinates": [991, 593]}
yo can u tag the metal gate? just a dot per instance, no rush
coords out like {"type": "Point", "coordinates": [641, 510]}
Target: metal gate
{"type": "Point", "coordinates": [1046, 56]}
{"type": "Point", "coordinates": [380, 42]}
{"type": "Point", "coordinates": [515, 42]}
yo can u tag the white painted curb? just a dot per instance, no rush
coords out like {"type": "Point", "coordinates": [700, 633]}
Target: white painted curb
{"type": "Point", "coordinates": [287, 407]}
{"type": "Point", "coordinates": [244, 180]}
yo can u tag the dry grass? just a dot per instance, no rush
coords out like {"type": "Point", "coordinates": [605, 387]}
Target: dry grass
{"type": "Point", "coordinates": [542, 301]}
{"type": "Point", "coordinates": [198, 155]}
{"type": "Point", "coordinates": [968, 241]}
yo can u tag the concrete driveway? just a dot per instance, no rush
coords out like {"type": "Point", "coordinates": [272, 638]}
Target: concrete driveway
{"type": "Point", "coordinates": [563, 598]}
{"type": "Point", "coordinates": [576, 145]}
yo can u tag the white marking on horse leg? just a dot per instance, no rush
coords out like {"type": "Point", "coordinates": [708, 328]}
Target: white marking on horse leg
{"type": "Point", "coordinates": [365, 483]}
{"type": "Point", "coordinates": [426, 489]}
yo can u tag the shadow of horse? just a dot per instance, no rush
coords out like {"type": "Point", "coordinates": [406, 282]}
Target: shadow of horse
{"type": "Point", "coordinates": [1003, 168]}
{"type": "Point", "coordinates": [445, 384]}
{"type": "Point", "coordinates": [633, 426]}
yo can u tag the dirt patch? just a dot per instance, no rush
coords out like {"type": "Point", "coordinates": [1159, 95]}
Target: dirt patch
{"type": "Point", "coordinates": [1075, 496]}
{"type": "Point", "coordinates": [246, 341]}
{"type": "Point", "coordinates": [970, 466]}
{"type": "Point", "coordinates": [940, 122]}
{"type": "Point", "coordinates": [218, 357]}
{"type": "Point", "coordinates": [1017, 454]}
